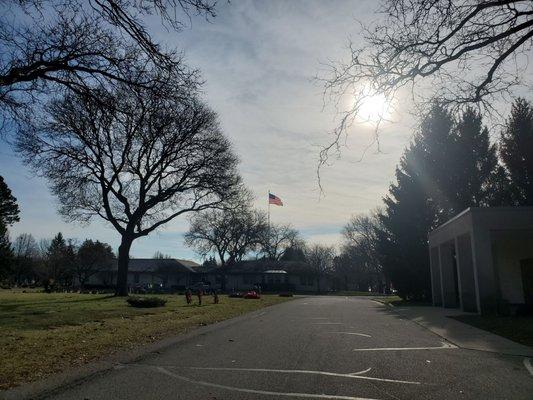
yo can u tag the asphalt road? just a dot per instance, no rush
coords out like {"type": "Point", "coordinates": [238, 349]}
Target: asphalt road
{"type": "Point", "coordinates": [314, 348]}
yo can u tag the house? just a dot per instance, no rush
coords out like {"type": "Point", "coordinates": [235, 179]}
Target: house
{"type": "Point", "coordinates": [166, 273]}
{"type": "Point", "coordinates": [482, 260]}
{"type": "Point", "coordinates": [176, 274]}
{"type": "Point", "coordinates": [271, 275]}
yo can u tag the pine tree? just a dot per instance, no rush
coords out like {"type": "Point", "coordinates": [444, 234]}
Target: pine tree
{"type": "Point", "coordinates": [516, 151]}
{"type": "Point", "coordinates": [6, 253]}
{"type": "Point", "coordinates": [449, 166]}
{"type": "Point", "coordinates": [9, 214]}
{"type": "Point", "coordinates": [429, 161]}
{"type": "Point", "coordinates": [60, 261]}
{"type": "Point", "coordinates": [9, 210]}
{"type": "Point", "coordinates": [406, 219]}
{"type": "Point", "coordinates": [473, 164]}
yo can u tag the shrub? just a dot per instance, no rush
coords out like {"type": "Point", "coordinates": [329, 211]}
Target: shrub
{"type": "Point", "coordinates": [146, 302]}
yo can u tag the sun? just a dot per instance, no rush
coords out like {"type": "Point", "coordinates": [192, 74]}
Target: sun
{"type": "Point", "coordinates": [372, 109]}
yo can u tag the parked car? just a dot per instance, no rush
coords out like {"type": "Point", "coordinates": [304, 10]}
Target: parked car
{"type": "Point", "coordinates": [252, 294]}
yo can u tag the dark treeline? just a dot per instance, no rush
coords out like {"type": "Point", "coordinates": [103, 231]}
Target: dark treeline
{"type": "Point", "coordinates": [55, 264]}
{"type": "Point", "coordinates": [450, 165]}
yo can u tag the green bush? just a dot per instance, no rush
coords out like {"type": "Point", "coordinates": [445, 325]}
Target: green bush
{"type": "Point", "coordinates": [146, 302]}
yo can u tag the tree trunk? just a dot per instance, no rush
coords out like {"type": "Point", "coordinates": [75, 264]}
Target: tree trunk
{"type": "Point", "coordinates": [123, 261]}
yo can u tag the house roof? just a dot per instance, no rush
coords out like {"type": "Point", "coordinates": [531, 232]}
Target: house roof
{"type": "Point", "coordinates": [155, 264]}
{"type": "Point", "coordinates": [261, 266]}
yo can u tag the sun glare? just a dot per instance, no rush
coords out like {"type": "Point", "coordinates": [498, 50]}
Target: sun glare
{"type": "Point", "coordinates": [373, 109]}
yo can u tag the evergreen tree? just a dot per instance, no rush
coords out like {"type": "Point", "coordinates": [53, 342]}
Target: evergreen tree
{"type": "Point", "coordinates": [429, 162]}
{"type": "Point", "coordinates": [60, 262]}
{"type": "Point", "coordinates": [450, 166]}
{"type": "Point", "coordinates": [6, 253]}
{"type": "Point", "coordinates": [402, 239]}
{"type": "Point", "coordinates": [9, 210]}
{"type": "Point", "coordinates": [473, 164]}
{"type": "Point", "coordinates": [9, 214]}
{"type": "Point", "coordinates": [500, 191]}
{"type": "Point", "coordinates": [516, 151]}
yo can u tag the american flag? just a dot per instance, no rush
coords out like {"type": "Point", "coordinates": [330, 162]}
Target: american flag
{"type": "Point", "coordinates": [273, 199]}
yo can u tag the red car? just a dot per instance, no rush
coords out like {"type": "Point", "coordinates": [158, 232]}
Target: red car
{"type": "Point", "coordinates": [252, 294]}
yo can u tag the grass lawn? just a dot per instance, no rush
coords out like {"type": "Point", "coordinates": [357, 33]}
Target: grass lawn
{"type": "Point", "coordinates": [43, 333]}
{"type": "Point", "coordinates": [518, 329]}
{"type": "Point", "coordinates": [392, 300]}
{"type": "Point", "coordinates": [355, 293]}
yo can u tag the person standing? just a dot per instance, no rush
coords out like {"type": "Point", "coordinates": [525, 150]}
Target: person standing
{"type": "Point", "coordinates": [188, 296]}
{"type": "Point", "coordinates": [200, 293]}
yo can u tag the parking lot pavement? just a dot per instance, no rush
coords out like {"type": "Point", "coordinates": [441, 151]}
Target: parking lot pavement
{"type": "Point", "coordinates": [314, 348]}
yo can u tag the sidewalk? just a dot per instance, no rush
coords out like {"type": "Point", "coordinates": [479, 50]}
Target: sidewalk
{"type": "Point", "coordinates": [462, 335]}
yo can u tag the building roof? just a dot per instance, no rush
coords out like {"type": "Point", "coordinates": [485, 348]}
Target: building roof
{"type": "Point", "coordinates": [484, 219]}
{"type": "Point", "coordinates": [156, 264]}
{"type": "Point", "coordinates": [260, 266]}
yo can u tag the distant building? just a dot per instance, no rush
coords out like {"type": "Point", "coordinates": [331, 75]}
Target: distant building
{"type": "Point", "coordinates": [482, 260]}
{"type": "Point", "coordinates": [269, 274]}
{"type": "Point", "coordinates": [167, 273]}
{"type": "Point", "coordinates": [175, 274]}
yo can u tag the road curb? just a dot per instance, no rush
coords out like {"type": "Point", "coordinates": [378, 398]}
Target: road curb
{"type": "Point", "coordinates": [458, 343]}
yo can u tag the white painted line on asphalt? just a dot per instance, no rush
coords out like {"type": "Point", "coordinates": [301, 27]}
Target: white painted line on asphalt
{"type": "Point", "coordinates": [264, 392]}
{"type": "Point", "coordinates": [353, 375]}
{"type": "Point", "coordinates": [445, 346]}
{"type": "Point", "coordinates": [527, 364]}
{"type": "Point", "coordinates": [351, 333]}
{"type": "Point", "coordinates": [361, 372]}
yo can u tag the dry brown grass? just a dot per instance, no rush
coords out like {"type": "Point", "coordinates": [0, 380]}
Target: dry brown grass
{"type": "Point", "coordinates": [42, 333]}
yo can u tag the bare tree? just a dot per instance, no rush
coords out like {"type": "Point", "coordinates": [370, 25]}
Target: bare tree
{"type": "Point", "coordinates": [92, 258]}
{"type": "Point", "coordinates": [229, 233]}
{"type": "Point", "coordinates": [361, 233]}
{"type": "Point", "coordinates": [25, 253]}
{"type": "Point", "coordinates": [49, 46]}
{"type": "Point", "coordinates": [465, 51]}
{"type": "Point", "coordinates": [136, 158]}
{"type": "Point", "coordinates": [277, 239]}
{"type": "Point", "coordinates": [320, 260]}
{"type": "Point", "coordinates": [158, 255]}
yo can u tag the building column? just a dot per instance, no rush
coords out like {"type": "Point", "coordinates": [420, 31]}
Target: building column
{"type": "Point", "coordinates": [434, 266]}
{"type": "Point", "coordinates": [449, 287]}
{"type": "Point", "coordinates": [466, 275]}
{"type": "Point", "coordinates": [458, 269]}
{"type": "Point", "coordinates": [487, 289]}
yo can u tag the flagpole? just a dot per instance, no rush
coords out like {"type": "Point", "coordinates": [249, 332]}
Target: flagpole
{"type": "Point", "coordinates": [269, 212]}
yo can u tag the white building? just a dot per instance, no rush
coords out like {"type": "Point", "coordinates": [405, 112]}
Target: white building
{"type": "Point", "coordinates": [482, 259]}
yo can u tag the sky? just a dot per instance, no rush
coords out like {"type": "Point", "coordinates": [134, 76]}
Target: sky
{"type": "Point", "coordinates": [259, 60]}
